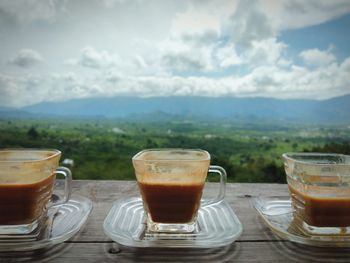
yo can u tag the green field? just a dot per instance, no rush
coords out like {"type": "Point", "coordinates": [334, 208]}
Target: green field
{"type": "Point", "coordinates": [102, 149]}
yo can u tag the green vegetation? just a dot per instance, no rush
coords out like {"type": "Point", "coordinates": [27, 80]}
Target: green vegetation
{"type": "Point", "coordinates": [102, 149]}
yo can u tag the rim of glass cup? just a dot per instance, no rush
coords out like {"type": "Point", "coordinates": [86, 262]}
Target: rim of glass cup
{"type": "Point", "coordinates": [205, 158]}
{"type": "Point", "coordinates": [289, 156]}
{"type": "Point", "coordinates": [54, 154]}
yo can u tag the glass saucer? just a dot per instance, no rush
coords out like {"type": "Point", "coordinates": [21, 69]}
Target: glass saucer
{"type": "Point", "coordinates": [217, 225]}
{"type": "Point", "coordinates": [60, 224]}
{"type": "Point", "coordinates": [277, 213]}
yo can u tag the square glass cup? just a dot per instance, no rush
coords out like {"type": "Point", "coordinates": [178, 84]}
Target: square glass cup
{"type": "Point", "coordinates": [27, 180]}
{"type": "Point", "coordinates": [171, 183]}
{"type": "Point", "coordinates": [319, 186]}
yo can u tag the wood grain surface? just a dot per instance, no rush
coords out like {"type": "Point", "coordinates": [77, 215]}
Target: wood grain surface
{"type": "Point", "coordinates": [256, 244]}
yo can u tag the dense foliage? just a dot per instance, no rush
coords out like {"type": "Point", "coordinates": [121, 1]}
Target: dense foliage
{"type": "Point", "coordinates": [102, 149]}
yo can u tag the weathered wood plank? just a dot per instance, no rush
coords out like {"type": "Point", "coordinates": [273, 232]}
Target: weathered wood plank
{"type": "Point", "coordinates": [257, 243]}
{"type": "Point", "coordinates": [110, 190]}
{"type": "Point", "coordinates": [239, 196]}
{"type": "Point", "coordinates": [238, 252]}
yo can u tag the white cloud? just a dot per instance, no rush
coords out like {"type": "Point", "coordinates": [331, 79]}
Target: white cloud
{"type": "Point", "coordinates": [266, 80]}
{"type": "Point", "coordinates": [32, 10]}
{"type": "Point", "coordinates": [111, 3]}
{"type": "Point", "coordinates": [8, 91]}
{"type": "Point", "coordinates": [271, 15]}
{"type": "Point", "coordinates": [249, 23]}
{"type": "Point", "coordinates": [26, 58]}
{"type": "Point", "coordinates": [193, 22]}
{"type": "Point", "coordinates": [264, 52]}
{"type": "Point", "coordinates": [140, 62]}
{"type": "Point", "coordinates": [317, 57]}
{"type": "Point", "coordinates": [17, 91]}
{"type": "Point", "coordinates": [180, 56]}
{"type": "Point", "coordinates": [210, 48]}
{"type": "Point", "coordinates": [293, 14]}
{"type": "Point", "coordinates": [91, 58]}
{"type": "Point", "coordinates": [227, 56]}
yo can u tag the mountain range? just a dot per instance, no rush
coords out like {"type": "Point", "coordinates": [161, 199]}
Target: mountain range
{"type": "Point", "coordinates": [335, 110]}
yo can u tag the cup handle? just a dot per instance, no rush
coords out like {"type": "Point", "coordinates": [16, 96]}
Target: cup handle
{"type": "Point", "coordinates": [223, 177]}
{"type": "Point", "coordinates": [67, 185]}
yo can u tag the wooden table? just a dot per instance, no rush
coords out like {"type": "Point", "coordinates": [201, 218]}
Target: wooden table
{"type": "Point", "coordinates": [256, 244]}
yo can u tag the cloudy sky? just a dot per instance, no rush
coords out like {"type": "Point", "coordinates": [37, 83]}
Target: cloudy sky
{"type": "Point", "coordinates": [55, 50]}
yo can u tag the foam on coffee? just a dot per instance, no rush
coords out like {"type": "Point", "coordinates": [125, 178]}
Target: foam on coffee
{"type": "Point", "coordinates": [171, 167]}
{"type": "Point", "coordinates": [25, 167]}
{"type": "Point", "coordinates": [187, 155]}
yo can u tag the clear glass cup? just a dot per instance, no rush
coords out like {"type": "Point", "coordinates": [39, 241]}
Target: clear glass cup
{"type": "Point", "coordinates": [319, 186]}
{"type": "Point", "coordinates": [27, 179]}
{"type": "Point", "coordinates": [171, 183]}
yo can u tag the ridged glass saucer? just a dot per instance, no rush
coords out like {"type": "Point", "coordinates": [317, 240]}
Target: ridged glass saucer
{"type": "Point", "coordinates": [277, 213]}
{"type": "Point", "coordinates": [217, 225]}
{"type": "Point", "coordinates": [60, 224]}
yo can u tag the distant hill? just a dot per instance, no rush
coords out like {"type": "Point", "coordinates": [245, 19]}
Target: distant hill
{"type": "Point", "coordinates": [335, 110]}
{"type": "Point", "coordinates": [14, 113]}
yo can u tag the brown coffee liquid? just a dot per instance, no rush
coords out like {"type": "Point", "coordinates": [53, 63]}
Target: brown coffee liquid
{"type": "Point", "coordinates": [171, 203]}
{"type": "Point", "coordinates": [322, 211]}
{"type": "Point", "coordinates": [23, 203]}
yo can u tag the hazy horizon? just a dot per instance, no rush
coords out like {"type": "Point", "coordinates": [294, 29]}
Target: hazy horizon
{"type": "Point", "coordinates": [176, 96]}
{"type": "Point", "coordinates": [62, 50]}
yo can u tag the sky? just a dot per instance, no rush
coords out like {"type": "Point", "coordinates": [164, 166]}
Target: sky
{"type": "Point", "coordinates": [55, 50]}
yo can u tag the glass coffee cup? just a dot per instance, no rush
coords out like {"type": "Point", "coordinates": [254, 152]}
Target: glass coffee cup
{"type": "Point", "coordinates": [171, 183]}
{"type": "Point", "coordinates": [319, 186]}
{"type": "Point", "coordinates": [27, 181]}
